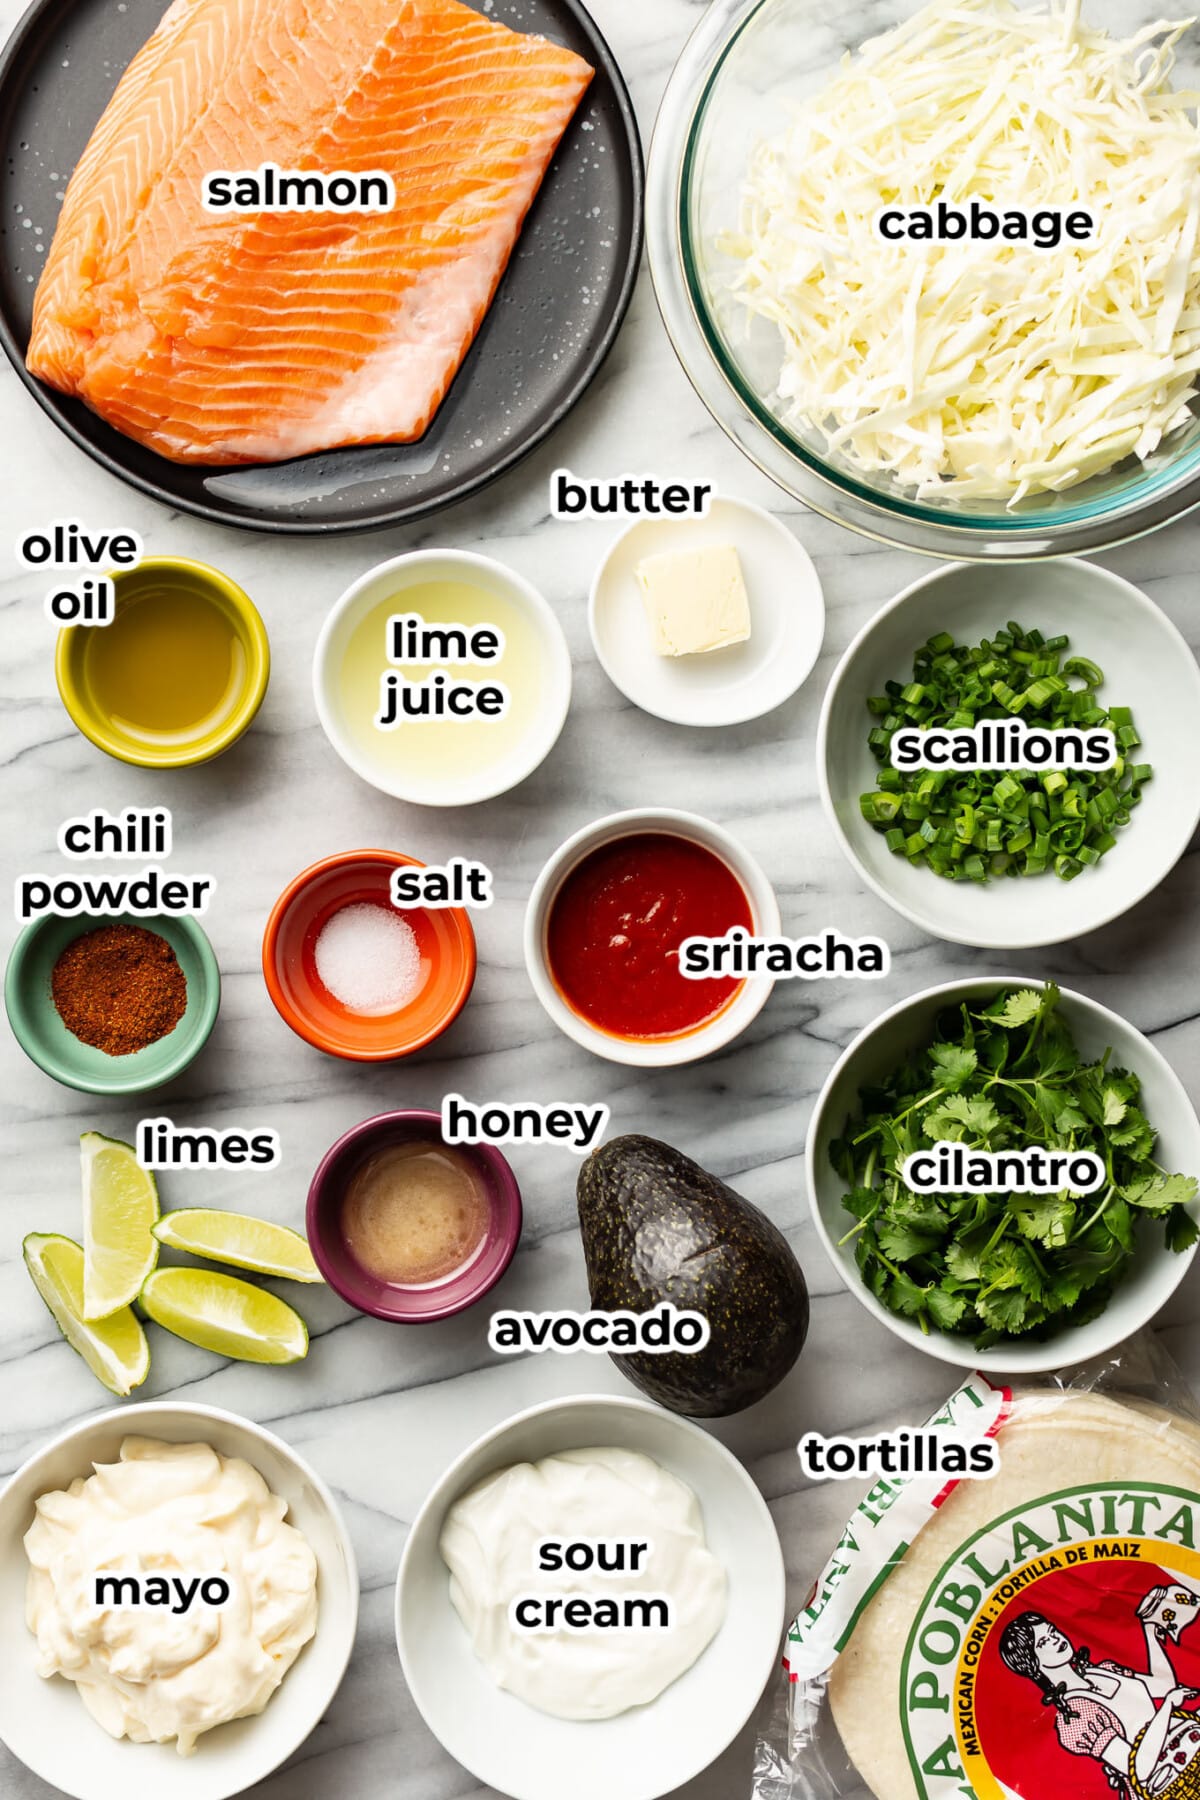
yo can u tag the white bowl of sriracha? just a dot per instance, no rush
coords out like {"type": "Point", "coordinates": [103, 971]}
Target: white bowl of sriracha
{"type": "Point", "coordinates": [607, 925]}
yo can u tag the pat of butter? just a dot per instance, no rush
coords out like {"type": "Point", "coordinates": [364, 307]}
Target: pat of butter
{"type": "Point", "coordinates": [696, 600]}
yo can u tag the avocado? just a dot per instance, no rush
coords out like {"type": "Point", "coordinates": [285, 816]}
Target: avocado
{"type": "Point", "coordinates": [657, 1227]}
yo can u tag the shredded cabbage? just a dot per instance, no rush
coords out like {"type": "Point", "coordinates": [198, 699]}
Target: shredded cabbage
{"type": "Point", "coordinates": [984, 370]}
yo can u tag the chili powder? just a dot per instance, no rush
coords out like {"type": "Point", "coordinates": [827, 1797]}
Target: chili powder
{"type": "Point", "coordinates": [119, 988]}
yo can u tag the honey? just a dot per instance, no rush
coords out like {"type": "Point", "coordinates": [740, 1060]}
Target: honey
{"type": "Point", "coordinates": [415, 1214]}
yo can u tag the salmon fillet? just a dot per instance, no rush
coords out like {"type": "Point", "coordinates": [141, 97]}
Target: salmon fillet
{"type": "Point", "coordinates": [218, 338]}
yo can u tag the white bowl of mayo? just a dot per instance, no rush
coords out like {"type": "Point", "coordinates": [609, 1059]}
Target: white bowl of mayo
{"type": "Point", "coordinates": [184, 1567]}
{"type": "Point", "coordinates": [591, 1602]}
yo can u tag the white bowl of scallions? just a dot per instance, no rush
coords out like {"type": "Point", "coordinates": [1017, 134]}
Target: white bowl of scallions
{"type": "Point", "coordinates": [1012, 859]}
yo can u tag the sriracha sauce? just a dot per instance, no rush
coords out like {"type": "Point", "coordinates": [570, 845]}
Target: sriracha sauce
{"type": "Point", "coordinates": [616, 926]}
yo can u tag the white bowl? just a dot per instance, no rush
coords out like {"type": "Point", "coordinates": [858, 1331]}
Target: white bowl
{"type": "Point", "coordinates": [421, 784]}
{"type": "Point", "coordinates": [1149, 668]}
{"type": "Point", "coordinates": [655, 1053]}
{"type": "Point", "coordinates": [45, 1723]}
{"type": "Point", "coordinates": [1155, 1272]}
{"type": "Point", "coordinates": [641, 1754]}
{"type": "Point", "coordinates": [721, 687]}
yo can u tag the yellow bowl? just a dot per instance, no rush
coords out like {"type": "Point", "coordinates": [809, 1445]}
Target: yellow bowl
{"type": "Point", "coordinates": [174, 575]}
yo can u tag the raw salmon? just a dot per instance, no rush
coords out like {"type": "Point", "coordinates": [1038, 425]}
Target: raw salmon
{"type": "Point", "coordinates": [256, 337]}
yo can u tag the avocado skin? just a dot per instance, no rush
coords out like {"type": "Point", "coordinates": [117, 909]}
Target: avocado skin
{"type": "Point", "coordinates": [656, 1227]}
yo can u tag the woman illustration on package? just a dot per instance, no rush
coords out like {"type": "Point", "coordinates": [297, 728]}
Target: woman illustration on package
{"type": "Point", "coordinates": [1131, 1721]}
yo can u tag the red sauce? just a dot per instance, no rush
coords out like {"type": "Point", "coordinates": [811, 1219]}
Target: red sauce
{"type": "Point", "coordinates": [616, 925]}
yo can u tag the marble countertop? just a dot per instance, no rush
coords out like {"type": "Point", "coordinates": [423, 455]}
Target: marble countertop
{"type": "Point", "coordinates": [380, 1410]}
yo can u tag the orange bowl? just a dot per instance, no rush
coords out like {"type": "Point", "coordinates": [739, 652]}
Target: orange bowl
{"type": "Point", "coordinates": [445, 940]}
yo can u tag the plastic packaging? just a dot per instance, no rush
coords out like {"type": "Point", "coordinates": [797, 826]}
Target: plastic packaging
{"type": "Point", "coordinates": [1027, 1636]}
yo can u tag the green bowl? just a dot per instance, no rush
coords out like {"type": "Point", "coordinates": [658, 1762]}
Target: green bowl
{"type": "Point", "coordinates": [46, 1040]}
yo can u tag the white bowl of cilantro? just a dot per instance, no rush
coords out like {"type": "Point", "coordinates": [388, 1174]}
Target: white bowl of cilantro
{"type": "Point", "coordinates": [1012, 1280]}
{"type": "Point", "coordinates": [1008, 858]}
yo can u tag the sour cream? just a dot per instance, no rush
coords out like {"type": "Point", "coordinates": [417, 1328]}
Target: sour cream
{"type": "Point", "coordinates": [151, 1673]}
{"type": "Point", "coordinates": [513, 1544]}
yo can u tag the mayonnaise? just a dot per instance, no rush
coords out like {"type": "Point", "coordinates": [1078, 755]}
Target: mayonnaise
{"type": "Point", "coordinates": [175, 1511]}
{"type": "Point", "coordinates": [516, 1547]}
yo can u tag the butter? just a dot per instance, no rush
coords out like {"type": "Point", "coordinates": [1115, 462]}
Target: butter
{"type": "Point", "coordinates": [695, 600]}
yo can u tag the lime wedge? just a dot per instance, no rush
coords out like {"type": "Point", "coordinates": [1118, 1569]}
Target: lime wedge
{"type": "Point", "coordinates": [243, 1243]}
{"type": "Point", "coordinates": [120, 1205]}
{"type": "Point", "coordinates": [115, 1350]}
{"type": "Point", "coordinates": [226, 1315]}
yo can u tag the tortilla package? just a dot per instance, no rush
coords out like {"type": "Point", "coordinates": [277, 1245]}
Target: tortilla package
{"type": "Point", "coordinates": [1032, 1635]}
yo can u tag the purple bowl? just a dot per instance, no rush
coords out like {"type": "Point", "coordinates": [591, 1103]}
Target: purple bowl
{"type": "Point", "coordinates": [390, 1300]}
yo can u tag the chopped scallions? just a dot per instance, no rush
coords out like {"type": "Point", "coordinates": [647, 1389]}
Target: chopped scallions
{"type": "Point", "coordinates": [975, 824]}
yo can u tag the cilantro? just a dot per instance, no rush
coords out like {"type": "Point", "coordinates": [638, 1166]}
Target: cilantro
{"type": "Point", "coordinates": [1158, 1192]}
{"type": "Point", "coordinates": [1047, 1218]}
{"type": "Point", "coordinates": [945, 1308]}
{"type": "Point", "coordinates": [994, 1267]}
{"type": "Point", "coordinates": [863, 1202]}
{"type": "Point", "coordinates": [955, 1065]}
{"type": "Point", "coordinates": [1006, 1310]}
{"type": "Point", "coordinates": [964, 1259]}
{"type": "Point", "coordinates": [904, 1296]}
{"type": "Point", "coordinates": [962, 1117]}
{"type": "Point", "coordinates": [1016, 1009]}
{"type": "Point", "coordinates": [1114, 1107]}
{"type": "Point", "coordinates": [1182, 1230]}
{"type": "Point", "coordinates": [904, 1242]}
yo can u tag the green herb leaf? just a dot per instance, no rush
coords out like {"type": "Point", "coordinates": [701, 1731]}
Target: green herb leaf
{"type": "Point", "coordinates": [1182, 1230]}
{"type": "Point", "coordinates": [904, 1296]}
{"type": "Point", "coordinates": [962, 1115]}
{"type": "Point", "coordinates": [1155, 1193]}
{"type": "Point", "coordinates": [862, 1202]}
{"type": "Point", "coordinates": [902, 1242]}
{"type": "Point", "coordinates": [1002, 1265]}
{"type": "Point", "coordinates": [1046, 1218]}
{"type": "Point", "coordinates": [945, 1308]}
{"type": "Point", "coordinates": [1114, 1108]}
{"type": "Point", "coordinates": [955, 1064]}
{"type": "Point", "coordinates": [1018, 1008]}
{"type": "Point", "coordinates": [1005, 1310]}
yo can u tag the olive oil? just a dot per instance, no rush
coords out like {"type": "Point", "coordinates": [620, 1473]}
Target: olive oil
{"type": "Point", "coordinates": [169, 668]}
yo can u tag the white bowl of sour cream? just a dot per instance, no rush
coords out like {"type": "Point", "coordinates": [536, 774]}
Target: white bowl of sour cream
{"type": "Point", "coordinates": [44, 1721]}
{"type": "Point", "coordinates": [646, 1750]}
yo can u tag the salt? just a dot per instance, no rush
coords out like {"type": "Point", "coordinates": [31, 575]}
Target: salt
{"type": "Point", "coordinates": [369, 959]}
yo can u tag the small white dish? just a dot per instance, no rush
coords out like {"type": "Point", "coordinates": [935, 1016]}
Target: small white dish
{"type": "Point", "coordinates": [1155, 1272]}
{"type": "Point", "coordinates": [720, 687]}
{"type": "Point", "coordinates": [544, 707]}
{"type": "Point", "coordinates": [44, 1722]}
{"type": "Point", "coordinates": [1148, 667]}
{"type": "Point", "coordinates": [650, 1053]}
{"type": "Point", "coordinates": [639, 1755]}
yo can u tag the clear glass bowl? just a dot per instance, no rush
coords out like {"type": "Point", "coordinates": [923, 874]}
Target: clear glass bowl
{"type": "Point", "coordinates": [737, 81]}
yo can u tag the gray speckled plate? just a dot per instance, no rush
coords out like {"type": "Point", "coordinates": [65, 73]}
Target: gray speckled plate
{"type": "Point", "coordinates": [553, 322]}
